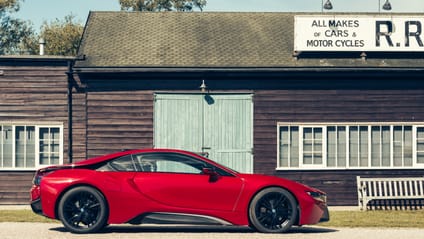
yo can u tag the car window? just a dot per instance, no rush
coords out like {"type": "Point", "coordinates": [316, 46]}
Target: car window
{"type": "Point", "coordinates": [169, 163]}
{"type": "Point", "coordinates": [121, 164]}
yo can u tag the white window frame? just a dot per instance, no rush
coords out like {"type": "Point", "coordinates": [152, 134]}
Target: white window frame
{"type": "Point", "coordinates": [347, 126]}
{"type": "Point", "coordinates": [323, 146]}
{"type": "Point", "coordinates": [37, 144]}
{"type": "Point", "coordinates": [414, 146]}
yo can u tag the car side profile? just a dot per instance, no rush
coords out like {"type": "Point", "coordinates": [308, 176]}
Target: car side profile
{"type": "Point", "coordinates": [163, 186]}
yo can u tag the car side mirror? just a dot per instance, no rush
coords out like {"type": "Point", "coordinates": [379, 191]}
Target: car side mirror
{"type": "Point", "coordinates": [213, 175]}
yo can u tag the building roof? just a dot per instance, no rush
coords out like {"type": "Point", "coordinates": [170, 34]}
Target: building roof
{"type": "Point", "coordinates": [225, 40]}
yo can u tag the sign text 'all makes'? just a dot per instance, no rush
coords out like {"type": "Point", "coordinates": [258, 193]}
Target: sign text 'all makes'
{"type": "Point", "coordinates": [359, 33]}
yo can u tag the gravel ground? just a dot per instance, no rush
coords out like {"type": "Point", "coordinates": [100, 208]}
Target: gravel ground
{"type": "Point", "coordinates": [11, 230]}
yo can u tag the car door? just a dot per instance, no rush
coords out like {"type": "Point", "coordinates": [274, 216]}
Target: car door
{"type": "Point", "coordinates": [177, 180]}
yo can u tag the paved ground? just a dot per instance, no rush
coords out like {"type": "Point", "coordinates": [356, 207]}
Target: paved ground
{"type": "Point", "coordinates": [56, 231]}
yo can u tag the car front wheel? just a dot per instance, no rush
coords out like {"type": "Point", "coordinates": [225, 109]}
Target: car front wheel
{"type": "Point", "coordinates": [273, 210]}
{"type": "Point", "coordinates": [83, 210]}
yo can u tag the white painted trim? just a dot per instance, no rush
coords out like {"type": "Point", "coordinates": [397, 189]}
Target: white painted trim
{"type": "Point", "coordinates": [37, 127]}
{"type": "Point", "coordinates": [324, 126]}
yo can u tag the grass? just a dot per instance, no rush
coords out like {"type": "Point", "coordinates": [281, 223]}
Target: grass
{"type": "Point", "coordinates": [404, 219]}
{"type": "Point", "coordinates": [22, 216]}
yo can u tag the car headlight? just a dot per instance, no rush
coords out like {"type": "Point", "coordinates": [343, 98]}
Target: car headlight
{"type": "Point", "coordinates": [321, 197]}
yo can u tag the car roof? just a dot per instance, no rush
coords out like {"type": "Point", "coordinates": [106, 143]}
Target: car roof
{"type": "Point", "coordinates": [107, 157]}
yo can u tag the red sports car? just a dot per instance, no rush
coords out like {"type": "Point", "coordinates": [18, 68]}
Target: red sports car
{"type": "Point", "coordinates": [170, 186]}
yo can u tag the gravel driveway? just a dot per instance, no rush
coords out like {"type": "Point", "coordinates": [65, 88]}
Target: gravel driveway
{"type": "Point", "coordinates": [9, 230]}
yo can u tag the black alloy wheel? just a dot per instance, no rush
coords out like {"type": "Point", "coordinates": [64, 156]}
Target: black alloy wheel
{"type": "Point", "coordinates": [83, 210]}
{"type": "Point", "coordinates": [273, 210]}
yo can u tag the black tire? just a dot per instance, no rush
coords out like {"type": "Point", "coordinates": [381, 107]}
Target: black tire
{"type": "Point", "coordinates": [83, 210]}
{"type": "Point", "coordinates": [273, 210]}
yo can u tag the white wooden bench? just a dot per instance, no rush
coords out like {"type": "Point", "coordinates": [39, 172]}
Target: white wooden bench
{"type": "Point", "coordinates": [388, 188]}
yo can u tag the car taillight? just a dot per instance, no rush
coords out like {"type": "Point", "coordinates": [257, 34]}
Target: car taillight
{"type": "Point", "coordinates": [37, 179]}
{"type": "Point", "coordinates": [39, 176]}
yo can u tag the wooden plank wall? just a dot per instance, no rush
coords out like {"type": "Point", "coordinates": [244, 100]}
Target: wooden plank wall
{"type": "Point", "coordinates": [15, 187]}
{"type": "Point", "coordinates": [79, 121]}
{"type": "Point", "coordinates": [30, 94]}
{"type": "Point", "coordinates": [330, 105]}
{"type": "Point", "coordinates": [119, 120]}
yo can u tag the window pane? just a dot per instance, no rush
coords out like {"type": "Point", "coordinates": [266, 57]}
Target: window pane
{"type": "Point", "coordinates": [353, 146]}
{"type": "Point", "coordinates": [363, 146]}
{"type": "Point", "coordinates": [169, 163]}
{"type": "Point", "coordinates": [307, 146]}
{"type": "Point", "coordinates": [30, 147]}
{"type": "Point", "coordinates": [54, 148]}
{"type": "Point", "coordinates": [341, 146]}
{"type": "Point", "coordinates": [55, 134]}
{"type": "Point", "coordinates": [44, 133]}
{"type": "Point", "coordinates": [124, 164]}
{"type": "Point", "coordinates": [375, 146]}
{"type": "Point", "coordinates": [312, 146]}
{"type": "Point", "coordinates": [54, 160]}
{"type": "Point", "coordinates": [317, 158]}
{"type": "Point", "coordinates": [307, 158]}
{"type": "Point", "coordinates": [20, 146]}
{"type": "Point", "coordinates": [331, 146]}
{"type": "Point", "coordinates": [317, 134]}
{"type": "Point", "coordinates": [7, 146]}
{"type": "Point", "coordinates": [307, 133]}
{"type": "Point", "coordinates": [385, 146]}
{"type": "Point", "coordinates": [407, 148]}
{"type": "Point", "coordinates": [397, 146]}
{"type": "Point", "coordinates": [289, 146]}
{"type": "Point", "coordinates": [44, 158]}
{"type": "Point", "coordinates": [294, 149]}
{"type": "Point", "coordinates": [420, 145]}
{"type": "Point", "coordinates": [284, 146]}
{"type": "Point", "coordinates": [49, 145]}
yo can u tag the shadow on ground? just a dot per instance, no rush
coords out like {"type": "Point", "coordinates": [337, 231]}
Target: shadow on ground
{"type": "Point", "coordinates": [195, 229]}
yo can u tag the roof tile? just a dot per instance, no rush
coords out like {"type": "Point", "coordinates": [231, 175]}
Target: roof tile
{"type": "Point", "coordinates": [202, 39]}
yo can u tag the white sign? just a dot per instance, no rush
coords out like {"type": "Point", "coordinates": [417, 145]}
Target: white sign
{"type": "Point", "coordinates": [359, 33]}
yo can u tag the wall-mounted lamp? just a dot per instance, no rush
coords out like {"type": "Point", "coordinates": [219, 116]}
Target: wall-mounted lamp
{"type": "Point", "coordinates": [203, 86]}
{"type": "Point", "coordinates": [387, 6]}
{"type": "Point", "coordinates": [327, 5]}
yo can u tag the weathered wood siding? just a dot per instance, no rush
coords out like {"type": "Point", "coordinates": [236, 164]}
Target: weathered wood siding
{"type": "Point", "coordinates": [79, 121]}
{"type": "Point", "coordinates": [119, 120]}
{"type": "Point", "coordinates": [30, 94]}
{"type": "Point", "coordinates": [15, 187]}
{"type": "Point", "coordinates": [370, 102]}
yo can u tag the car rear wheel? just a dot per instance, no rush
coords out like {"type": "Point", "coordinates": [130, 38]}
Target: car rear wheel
{"type": "Point", "coordinates": [83, 210]}
{"type": "Point", "coordinates": [273, 210]}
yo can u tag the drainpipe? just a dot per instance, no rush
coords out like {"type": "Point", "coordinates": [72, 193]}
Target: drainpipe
{"type": "Point", "coordinates": [70, 73]}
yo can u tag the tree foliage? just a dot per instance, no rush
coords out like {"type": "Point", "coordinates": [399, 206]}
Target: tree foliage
{"type": "Point", "coordinates": [161, 5]}
{"type": "Point", "coordinates": [15, 34]}
{"type": "Point", "coordinates": [9, 5]}
{"type": "Point", "coordinates": [17, 37]}
{"type": "Point", "coordinates": [62, 37]}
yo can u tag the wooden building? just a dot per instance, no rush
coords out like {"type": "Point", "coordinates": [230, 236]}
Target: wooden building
{"type": "Point", "coordinates": [33, 120]}
{"type": "Point", "coordinates": [235, 86]}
